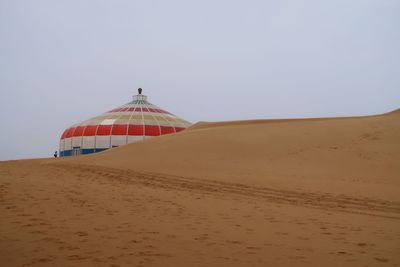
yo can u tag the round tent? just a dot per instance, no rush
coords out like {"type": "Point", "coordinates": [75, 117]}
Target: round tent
{"type": "Point", "coordinates": [134, 121]}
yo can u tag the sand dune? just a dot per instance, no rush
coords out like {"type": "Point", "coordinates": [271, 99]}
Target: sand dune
{"type": "Point", "coordinates": [310, 192]}
{"type": "Point", "coordinates": [333, 154]}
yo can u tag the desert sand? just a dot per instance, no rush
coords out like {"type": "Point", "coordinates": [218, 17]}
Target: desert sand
{"type": "Point", "coordinates": [307, 192]}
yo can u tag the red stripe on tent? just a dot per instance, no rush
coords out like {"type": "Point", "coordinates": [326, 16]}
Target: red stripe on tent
{"type": "Point", "coordinates": [69, 132]}
{"type": "Point", "coordinates": [90, 130]}
{"type": "Point", "coordinates": [179, 129]}
{"type": "Point", "coordinates": [135, 130]}
{"type": "Point", "coordinates": [156, 110]}
{"type": "Point", "coordinates": [64, 134]}
{"type": "Point", "coordinates": [119, 129]}
{"type": "Point", "coordinates": [79, 131]}
{"type": "Point", "coordinates": [138, 109]}
{"type": "Point", "coordinates": [151, 130]}
{"type": "Point", "coordinates": [104, 130]}
{"type": "Point", "coordinates": [167, 130]}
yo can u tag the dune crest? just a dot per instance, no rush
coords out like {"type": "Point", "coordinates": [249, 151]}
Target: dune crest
{"type": "Point", "coordinates": [206, 124]}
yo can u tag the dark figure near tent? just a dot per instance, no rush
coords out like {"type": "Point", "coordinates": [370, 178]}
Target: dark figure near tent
{"type": "Point", "coordinates": [55, 154]}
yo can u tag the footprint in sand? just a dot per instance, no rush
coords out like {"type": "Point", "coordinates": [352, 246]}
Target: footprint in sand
{"type": "Point", "coordinates": [76, 257]}
{"type": "Point", "coordinates": [235, 242]}
{"type": "Point", "coordinates": [343, 253]}
{"type": "Point", "coordinates": [82, 233]}
{"type": "Point", "coordinates": [253, 248]}
{"type": "Point", "coordinates": [381, 259]}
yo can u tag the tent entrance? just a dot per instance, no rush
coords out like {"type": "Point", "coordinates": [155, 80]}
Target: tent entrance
{"type": "Point", "coordinates": [76, 150]}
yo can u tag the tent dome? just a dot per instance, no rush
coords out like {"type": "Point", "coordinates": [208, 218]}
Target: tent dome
{"type": "Point", "coordinates": [134, 121]}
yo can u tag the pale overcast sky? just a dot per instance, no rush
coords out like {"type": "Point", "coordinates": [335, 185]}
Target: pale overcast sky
{"type": "Point", "coordinates": [65, 61]}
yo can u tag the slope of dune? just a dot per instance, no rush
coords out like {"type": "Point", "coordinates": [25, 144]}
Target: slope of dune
{"type": "Point", "coordinates": [310, 192]}
{"type": "Point", "coordinates": [333, 154]}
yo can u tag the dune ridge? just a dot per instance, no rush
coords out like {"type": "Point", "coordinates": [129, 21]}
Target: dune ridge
{"type": "Point", "coordinates": [206, 124]}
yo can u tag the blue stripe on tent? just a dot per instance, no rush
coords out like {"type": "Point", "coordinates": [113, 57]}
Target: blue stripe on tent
{"type": "Point", "coordinates": [67, 153]}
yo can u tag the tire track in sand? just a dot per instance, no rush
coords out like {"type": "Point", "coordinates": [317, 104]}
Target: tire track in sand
{"type": "Point", "coordinates": [342, 203]}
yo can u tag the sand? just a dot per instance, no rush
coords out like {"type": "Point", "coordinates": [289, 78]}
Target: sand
{"type": "Point", "coordinates": [312, 192]}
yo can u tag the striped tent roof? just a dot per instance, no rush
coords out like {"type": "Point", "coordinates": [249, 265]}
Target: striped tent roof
{"type": "Point", "coordinates": [134, 121]}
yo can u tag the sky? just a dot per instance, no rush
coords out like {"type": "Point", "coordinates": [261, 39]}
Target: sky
{"type": "Point", "coordinates": [62, 62]}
